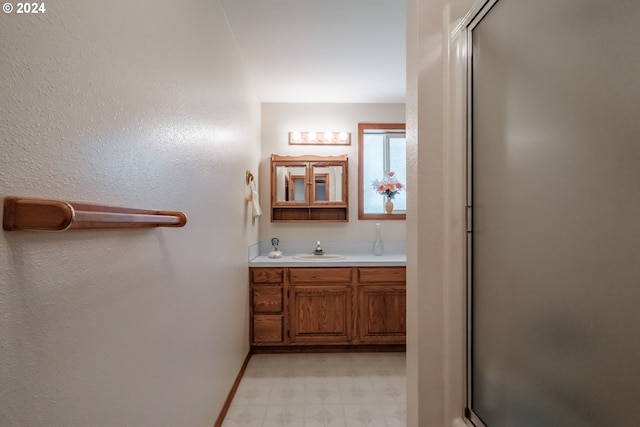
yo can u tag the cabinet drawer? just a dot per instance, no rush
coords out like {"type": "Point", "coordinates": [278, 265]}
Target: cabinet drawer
{"type": "Point", "coordinates": [267, 275]}
{"type": "Point", "coordinates": [382, 274]}
{"type": "Point", "coordinates": [320, 275]}
{"type": "Point", "coordinates": [268, 329]}
{"type": "Point", "coordinates": [267, 299]}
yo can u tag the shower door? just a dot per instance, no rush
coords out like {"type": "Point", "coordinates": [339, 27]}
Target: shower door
{"type": "Point", "coordinates": [554, 189]}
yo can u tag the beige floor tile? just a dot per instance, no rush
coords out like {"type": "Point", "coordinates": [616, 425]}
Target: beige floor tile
{"type": "Point", "coordinates": [321, 390]}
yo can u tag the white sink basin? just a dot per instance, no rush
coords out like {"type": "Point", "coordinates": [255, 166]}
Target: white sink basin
{"type": "Point", "coordinates": [323, 257]}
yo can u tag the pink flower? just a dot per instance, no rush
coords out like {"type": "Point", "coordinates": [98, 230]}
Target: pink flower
{"type": "Point", "coordinates": [389, 186]}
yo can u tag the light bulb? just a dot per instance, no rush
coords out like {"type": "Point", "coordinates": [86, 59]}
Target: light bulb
{"type": "Point", "coordinates": [343, 136]}
{"type": "Point", "coordinates": [328, 136]}
{"type": "Point", "coordinates": [296, 136]}
{"type": "Point", "coordinates": [311, 136]}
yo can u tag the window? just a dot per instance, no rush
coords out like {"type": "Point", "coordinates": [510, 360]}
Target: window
{"type": "Point", "coordinates": [382, 148]}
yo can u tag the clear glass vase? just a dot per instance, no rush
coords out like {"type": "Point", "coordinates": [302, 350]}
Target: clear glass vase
{"type": "Point", "coordinates": [378, 248]}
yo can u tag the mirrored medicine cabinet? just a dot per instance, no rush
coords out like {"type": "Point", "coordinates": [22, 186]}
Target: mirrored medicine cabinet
{"type": "Point", "coordinates": [309, 188]}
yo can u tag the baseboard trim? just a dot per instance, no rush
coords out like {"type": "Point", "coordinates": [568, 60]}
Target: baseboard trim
{"type": "Point", "coordinates": [329, 349]}
{"type": "Point", "coordinates": [232, 392]}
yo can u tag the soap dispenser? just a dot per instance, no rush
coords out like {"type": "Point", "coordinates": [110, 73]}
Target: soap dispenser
{"type": "Point", "coordinates": [275, 253]}
{"type": "Point", "coordinates": [378, 249]}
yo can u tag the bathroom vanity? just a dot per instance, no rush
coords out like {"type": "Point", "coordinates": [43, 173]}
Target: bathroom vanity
{"type": "Point", "coordinates": [294, 306]}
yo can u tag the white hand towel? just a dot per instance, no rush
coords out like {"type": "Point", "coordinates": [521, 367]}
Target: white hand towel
{"type": "Point", "coordinates": [255, 200]}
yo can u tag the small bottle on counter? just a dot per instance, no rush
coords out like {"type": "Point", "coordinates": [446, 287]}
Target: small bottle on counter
{"type": "Point", "coordinates": [275, 253]}
{"type": "Point", "coordinates": [378, 249]}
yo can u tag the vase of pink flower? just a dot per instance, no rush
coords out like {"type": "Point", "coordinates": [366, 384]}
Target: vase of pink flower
{"type": "Point", "coordinates": [389, 186]}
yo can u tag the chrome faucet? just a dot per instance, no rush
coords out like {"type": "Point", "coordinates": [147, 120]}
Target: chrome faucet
{"type": "Point", "coordinates": [318, 250]}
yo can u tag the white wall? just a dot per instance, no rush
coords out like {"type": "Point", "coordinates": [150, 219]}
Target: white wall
{"type": "Point", "coordinates": [436, 113]}
{"type": "Point", "coordinates": [278, 119]}
{"type": "Point", "coordinates": [139, 104]}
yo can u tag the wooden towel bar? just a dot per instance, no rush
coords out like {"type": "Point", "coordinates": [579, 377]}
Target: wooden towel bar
{"type": "Point", "coordinates": [55, 215]}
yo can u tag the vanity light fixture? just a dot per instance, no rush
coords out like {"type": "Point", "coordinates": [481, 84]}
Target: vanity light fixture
{"type": "Point", "coordinates": [319, 138]}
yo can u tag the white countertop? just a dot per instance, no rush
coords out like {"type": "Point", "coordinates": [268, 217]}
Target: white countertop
{"type": "Point", "coordinates": [349, 260]}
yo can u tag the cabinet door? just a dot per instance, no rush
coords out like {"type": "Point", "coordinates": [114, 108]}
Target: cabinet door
{"type": "Point", "coordinates": [290, 182]}
{"type": "Point", "coordinates": [382, 316]}
{"type": "Point", "coordinates": [328, 183]}
{"type": "Point", "coordinates": [320, 314]}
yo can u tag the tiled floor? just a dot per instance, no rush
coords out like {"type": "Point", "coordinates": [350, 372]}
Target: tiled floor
{"type": "Point", "coordinates": [320, 389]}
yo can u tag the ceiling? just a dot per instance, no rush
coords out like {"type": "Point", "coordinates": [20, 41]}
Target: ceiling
{"type": "Point", "coordinates": [322, 50]}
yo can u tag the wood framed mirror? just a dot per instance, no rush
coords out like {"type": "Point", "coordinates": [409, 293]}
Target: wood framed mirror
{"type": "Point", "coordinates": [309, 188]}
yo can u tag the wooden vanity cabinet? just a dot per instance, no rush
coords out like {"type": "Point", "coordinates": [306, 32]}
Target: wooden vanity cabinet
{"type": "Point", "coordinates": [306, 306]}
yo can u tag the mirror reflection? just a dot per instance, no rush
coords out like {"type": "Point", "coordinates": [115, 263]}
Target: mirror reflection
{"type": "Point", "coordinates": [327, 183]}
{"type": "Point", "coordinates": [291, 184]}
